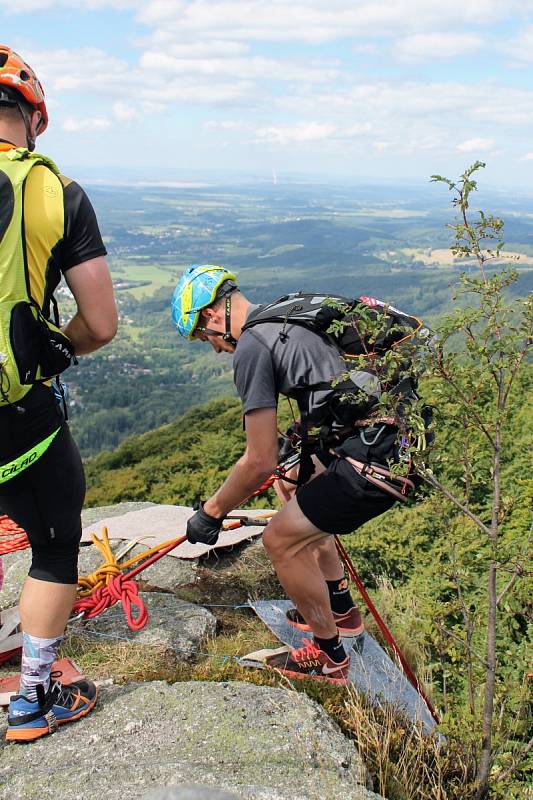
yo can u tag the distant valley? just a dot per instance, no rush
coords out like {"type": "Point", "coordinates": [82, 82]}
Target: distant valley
{"type": "Point", "coordinates": [381, 241]}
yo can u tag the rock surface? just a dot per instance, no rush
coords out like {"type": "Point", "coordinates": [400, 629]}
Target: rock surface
{"type": "Point", "coordinates": [16, 566]}
{"type": "Point", "coordinates": [91, 515]}
{"type": "Point", "coordinates": [174, 625]}
{"type": "Point", "coordinates": [167, 574]}
{"type": "Point", "coordinates": [190, 792]}
{"type": "Point", "coordinates": [258, 742]}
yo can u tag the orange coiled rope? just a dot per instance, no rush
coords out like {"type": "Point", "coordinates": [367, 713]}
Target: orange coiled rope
{"type": "Point", "coordinates": [12, 536]}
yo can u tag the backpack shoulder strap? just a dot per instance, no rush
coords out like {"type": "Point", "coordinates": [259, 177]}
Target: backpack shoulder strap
{"type": "Point", "coordinates": [298, 308]}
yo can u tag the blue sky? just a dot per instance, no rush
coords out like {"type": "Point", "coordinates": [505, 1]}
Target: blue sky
{"type": "Point", "coordinates": [359, 89]}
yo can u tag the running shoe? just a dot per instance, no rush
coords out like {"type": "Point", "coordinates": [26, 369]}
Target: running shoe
{"type": "Point", "coordinates": [309, 662]}
{"type": "Point", "coordinates": [348, 624]}
{"type": "Point", "coordinates": [29, 720]}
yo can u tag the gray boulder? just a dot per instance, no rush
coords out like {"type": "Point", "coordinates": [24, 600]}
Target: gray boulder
{"type": "Point", "coordinates": [166, 575]}
{"type": "Point", "coordinates": [16, 566]}
{"type": "Point", "coordinates": [190, 792]}
{"type": "Point", "coordinates": [89, 516]}
{"type": "Point", "coordinates": [174, 625]}
{"type": "Point", "coordinates": [260, 743]}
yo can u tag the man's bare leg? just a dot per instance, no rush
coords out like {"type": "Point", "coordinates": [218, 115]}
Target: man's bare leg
{"type": "Point", "coordinates": [325, 551]}
{"type": "Point", "coordinates": [293, 544]}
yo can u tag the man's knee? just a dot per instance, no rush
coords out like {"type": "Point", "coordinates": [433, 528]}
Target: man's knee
{"type": "Point", "coordinates": [271, 541]}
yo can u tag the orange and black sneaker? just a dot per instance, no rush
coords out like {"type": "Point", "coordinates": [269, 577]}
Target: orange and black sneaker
{"type": "Point", "coordinates": [28, 720]}
{"type": "Point", "coordinates": [309, 662]}
{"type": "Point", "coordinates": [349, 624]}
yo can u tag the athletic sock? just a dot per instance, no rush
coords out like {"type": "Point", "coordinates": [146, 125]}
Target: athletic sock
{"type": "Point", "coordinates": [38, 655]}
{"type": "Point", "coordinates": [339, 595]}
{"type": "Point", "coordinates": [334, 648]}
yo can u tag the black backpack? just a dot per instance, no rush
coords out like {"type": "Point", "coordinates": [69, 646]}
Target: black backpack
{"type": "Point", "coordinates": [343, 322]}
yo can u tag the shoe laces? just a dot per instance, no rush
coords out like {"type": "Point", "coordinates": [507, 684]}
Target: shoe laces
{"type": "Point", "coordinates": [308, 651]}
{"type": "Point", "coordinates": [63, 692]}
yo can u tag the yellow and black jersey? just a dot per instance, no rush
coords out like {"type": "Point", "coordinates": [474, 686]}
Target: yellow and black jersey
{"type": "Point", "coordinates": [59, 231]}
{"type": "Point", "coordinates": [59, 235]}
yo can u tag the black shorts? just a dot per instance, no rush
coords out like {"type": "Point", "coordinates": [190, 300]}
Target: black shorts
{"type": "Point", "coordinates": [339, 500]}
{"type": "Point", "coordinates": [46, 500]}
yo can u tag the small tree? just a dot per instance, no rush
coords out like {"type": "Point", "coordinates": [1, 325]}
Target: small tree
{"type": "Point", "coordinates": [481, 350]}
{"type": "Point", "coordinates": [470, 366]}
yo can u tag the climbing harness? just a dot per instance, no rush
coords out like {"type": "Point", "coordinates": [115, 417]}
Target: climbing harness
{"type": "Point", "coordinates": [362, 330]}
{"type": "Point", "coordinates": [395, 485]}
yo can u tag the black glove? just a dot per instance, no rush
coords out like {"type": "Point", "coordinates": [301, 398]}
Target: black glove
{"type": "Point", "coordinates": [202, 527]}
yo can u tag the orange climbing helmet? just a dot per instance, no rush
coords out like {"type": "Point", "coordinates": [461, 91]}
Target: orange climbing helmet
{"type": "Point", "coordinates": [17, 76]}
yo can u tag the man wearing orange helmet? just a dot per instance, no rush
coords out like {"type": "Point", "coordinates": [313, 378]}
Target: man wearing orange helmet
{"type": "Point", "coordinates": [48, 229]}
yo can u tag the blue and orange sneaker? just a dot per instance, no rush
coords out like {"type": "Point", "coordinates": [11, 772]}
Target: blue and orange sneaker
{"type": "Point", "coordinates": [29, 720]}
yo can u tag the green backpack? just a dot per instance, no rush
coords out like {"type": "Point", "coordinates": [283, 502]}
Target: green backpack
{"type": "Point", "coordinates": [32, 348]}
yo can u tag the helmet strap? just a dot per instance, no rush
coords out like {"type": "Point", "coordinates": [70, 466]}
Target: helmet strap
{"type": "Point", "coordinates": [227, 336]}
{"type": "Point", "coordinates": [25, 114]}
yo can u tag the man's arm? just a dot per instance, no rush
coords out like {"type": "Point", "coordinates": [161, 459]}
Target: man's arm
{"type": "Point", "coordinates": [96, 319]}
{"type": "Point", "coordinates": [253, 468]}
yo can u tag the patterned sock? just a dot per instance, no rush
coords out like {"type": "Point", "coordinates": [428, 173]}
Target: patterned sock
{"type": "Point", "coordinates": [38, 655]}
{"type": "Point", "coordinates": [339, 595]}
{"type": "Point", "coordinates": [333, 647]}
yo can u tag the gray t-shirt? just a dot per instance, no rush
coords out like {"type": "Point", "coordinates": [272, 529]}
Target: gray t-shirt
{"type": "Point", "coordinates": [265, 366]}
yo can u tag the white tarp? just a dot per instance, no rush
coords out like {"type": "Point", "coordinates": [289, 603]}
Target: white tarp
{"type": "Point", "coordinates": [160, 523]}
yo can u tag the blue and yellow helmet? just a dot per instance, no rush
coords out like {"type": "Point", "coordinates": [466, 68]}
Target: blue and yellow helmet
{"type": "Point", "coordinates": [196, 289]}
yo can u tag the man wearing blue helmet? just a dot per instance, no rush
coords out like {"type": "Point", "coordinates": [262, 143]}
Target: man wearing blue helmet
{"type": "Point", "coordinates": [273, 358]}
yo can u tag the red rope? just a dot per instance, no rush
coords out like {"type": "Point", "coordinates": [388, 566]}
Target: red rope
{"type": "Point", "coordinates": [120, 588]}
{"type": "Point", "coordinates": [383, 627]}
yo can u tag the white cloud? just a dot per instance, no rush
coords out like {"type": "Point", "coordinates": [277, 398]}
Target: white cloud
{"type": "Point", "coordinates": [88, 124]}
{"type": "Point", "coordinates": [519, 49]}
{"type": "Point", "coordinates": [431, 46]}
{"type": "Point", "coordinates": [298, 133]}
{"type": "Point", "coordinates": [87, 68]}
{"type": "Point", "coordinates": [22, 6]}
{"type": "Point", "coordinates": [314, 21]}
{"type": "Point", "coordinates": [476, 145]}
{"type": "Point", "coordinates": [203, 50]}
{"type": "Point", "coordinates": [446, 104]}
{"type": "Point", "coordinates": [256, 67]}
{"type": "Point", "coordinates": [123, 112]}
{"type": "Point", "coordinates": [225, 124]}
{"type": "Point", "coordinates": [305, 132]}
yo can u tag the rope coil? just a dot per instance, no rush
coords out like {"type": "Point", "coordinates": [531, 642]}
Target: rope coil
{"type": "Point", "coordinates": [12, 536]}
